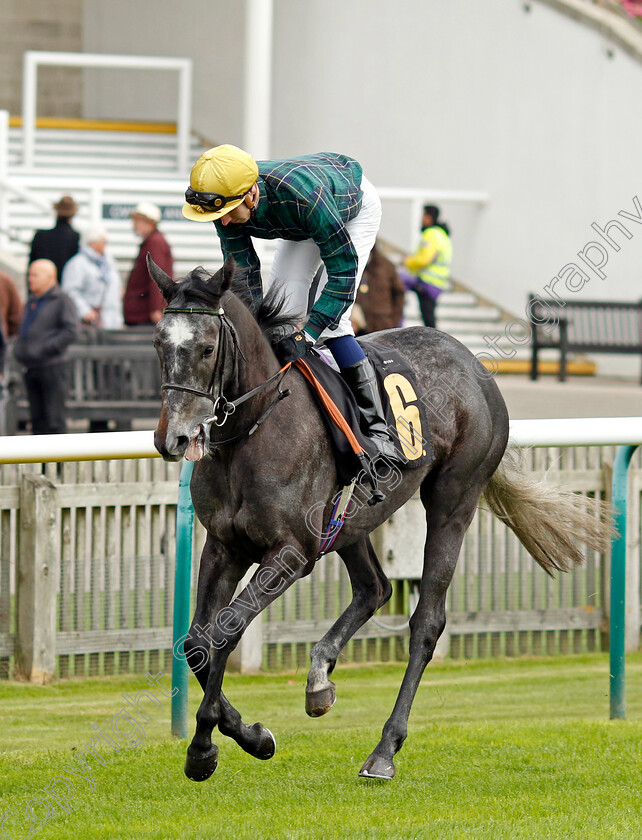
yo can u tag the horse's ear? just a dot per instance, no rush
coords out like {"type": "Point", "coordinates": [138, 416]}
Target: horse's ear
{"type": "Point", "coordinates": [162, 280]}
{"type": "Point", "coordinates": [222, 280]}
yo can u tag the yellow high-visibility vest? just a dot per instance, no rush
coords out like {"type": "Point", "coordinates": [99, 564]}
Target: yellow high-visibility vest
{"type": "Point", "coordinates": [431, 261]}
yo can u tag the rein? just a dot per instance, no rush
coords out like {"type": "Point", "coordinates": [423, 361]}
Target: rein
{"type": "Point", "coordinates": [223, 408]}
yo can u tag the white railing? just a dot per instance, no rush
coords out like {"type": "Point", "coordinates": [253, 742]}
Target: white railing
{"type": "Point", "coordinates": [34, 59]}
{"type": "Point", "coordinates": [414, 198]}
{"type": "Point", "coordinates": [589, 431]}
{"type": "Point", "coordinates": [8, 185]}
{"type": "Point", "coordinates": [585, 431]}
{"type": "Point", "coordinates": [97, 192]}
{"type": "Point", "coordinates": [544, 433]}
{"type": "Point", "coordinates": [418, 196]}
{"type": "Point", "coordinates": [33, 449]}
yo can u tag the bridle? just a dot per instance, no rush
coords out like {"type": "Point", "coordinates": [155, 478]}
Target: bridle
{"type": "Point", "coordinates": [222, 407]}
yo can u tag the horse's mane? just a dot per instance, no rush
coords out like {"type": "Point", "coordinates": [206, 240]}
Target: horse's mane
{"type": "Point", "coordinates": [269, 313]}
{"type": "Point", "coordinates": [194, 288]}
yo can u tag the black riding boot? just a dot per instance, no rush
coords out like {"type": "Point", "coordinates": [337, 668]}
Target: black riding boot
{"type": "Point", "coordinates": [363, 383]}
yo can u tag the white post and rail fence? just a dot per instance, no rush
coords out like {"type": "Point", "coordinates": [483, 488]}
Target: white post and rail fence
{"type": "Point", "coordinates": [153, 517]}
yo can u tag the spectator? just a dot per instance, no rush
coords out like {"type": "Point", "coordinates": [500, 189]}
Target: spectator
{"type": "Point", "coordinates": [92, 281]}
{"type": "Point", "coordinates": [61, 242]}
{"type": "Point", "coordinates": [429, 267]}
{"type": "Point", "coordinates": [381, 294]}
{"type": "Point", "coordinates": [143, 303]}
{"type": "Point", "coordinates": [10, 305]}
{"type": "Point", "coordinates": [49, 325]}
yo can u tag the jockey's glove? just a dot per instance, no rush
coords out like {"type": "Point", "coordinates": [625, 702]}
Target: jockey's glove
{"type": "Point", "coordinates": [291, 348]}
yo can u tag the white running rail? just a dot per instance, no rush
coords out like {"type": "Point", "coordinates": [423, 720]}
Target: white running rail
{"type": "Point", "coordinates": [585, 431]}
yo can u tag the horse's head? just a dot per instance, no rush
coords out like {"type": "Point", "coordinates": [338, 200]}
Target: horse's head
{"type": "Point", "coordinates": [196, 354]}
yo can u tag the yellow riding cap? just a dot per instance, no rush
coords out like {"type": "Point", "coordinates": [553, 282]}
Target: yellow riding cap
{"type": "Point", "coordinates": [219, 181]}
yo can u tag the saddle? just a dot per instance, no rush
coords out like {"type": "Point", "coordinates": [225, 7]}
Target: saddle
{"type": "Point", "coordinates": [400, 397]}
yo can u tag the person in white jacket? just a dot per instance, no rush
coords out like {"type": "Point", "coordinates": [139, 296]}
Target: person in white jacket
{"type": "Point", "coordinates": [92, 281]}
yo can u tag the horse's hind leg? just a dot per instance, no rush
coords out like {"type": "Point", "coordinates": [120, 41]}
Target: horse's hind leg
{"type": "Point", "coordinates": [370, 590]}
{"type": "Point", "coordinates": [448, 517]}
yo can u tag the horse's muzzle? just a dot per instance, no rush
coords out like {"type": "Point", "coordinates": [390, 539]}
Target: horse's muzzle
{"type": "Point", "coordinates": [170, 446]}
{"type": "Point", "coordinates": [174, 445]}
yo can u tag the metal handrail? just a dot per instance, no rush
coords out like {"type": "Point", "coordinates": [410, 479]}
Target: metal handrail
{"type": "Point", "coordinates": [96, 187]}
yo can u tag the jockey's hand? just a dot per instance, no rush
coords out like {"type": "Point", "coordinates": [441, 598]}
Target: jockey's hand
{"type": "Point", "coordinates": [291, 348]}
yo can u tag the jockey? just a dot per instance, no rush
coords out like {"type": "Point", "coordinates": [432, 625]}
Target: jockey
{"type": "Point", "coordinates": [325, 214]}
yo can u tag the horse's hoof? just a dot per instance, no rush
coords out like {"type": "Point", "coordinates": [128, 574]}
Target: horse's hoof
{"type": "Point", "coordinates": [318, 703]}
{"type": "Point", "coordinates": [377, 767]}
{"type": "Point", "coordinates": [267, 743]}
{"type": "Point", "coordinates": [199, 769]}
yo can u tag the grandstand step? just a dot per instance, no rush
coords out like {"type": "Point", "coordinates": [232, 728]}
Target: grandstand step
{"type": "Point", "coordinates": [468, 326]}
{"type": "Point", "coordinates": [105, 145]}
{"type": "Point", "coordinates": [456, 299]}
{"type": "Point", "coordinates": [44, 135]}
{"type": "Point", "coordinates": [86, 167]}
{"type": "Point", "coordinates": [472, 313]}
{"type": "Point", "coordinates": [89, 152]}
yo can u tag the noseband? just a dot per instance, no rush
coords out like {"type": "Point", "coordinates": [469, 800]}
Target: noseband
{"type": "Point", "coordinates": [222, 407]}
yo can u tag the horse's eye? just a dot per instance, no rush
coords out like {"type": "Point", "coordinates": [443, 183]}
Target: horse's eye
{"type": "Point", "coordinates": [207, 352]}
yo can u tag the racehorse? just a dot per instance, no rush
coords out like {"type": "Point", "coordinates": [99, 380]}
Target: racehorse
{"type": "Point", "coordinates": [265, 480]}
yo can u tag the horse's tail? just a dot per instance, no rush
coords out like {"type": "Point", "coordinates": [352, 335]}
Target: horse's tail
{"type": "Point", "coordinates": [548, 521]}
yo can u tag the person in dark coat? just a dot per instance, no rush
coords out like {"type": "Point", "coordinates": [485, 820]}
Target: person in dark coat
{"type": "Point", "coordinates": [143, 303]}
{"type": "Point", "coordinates": [60, 243]}
{"type": "Point", "coordinates": [49, 325]}
{"type": "Point", "coordinates": [381, 294]}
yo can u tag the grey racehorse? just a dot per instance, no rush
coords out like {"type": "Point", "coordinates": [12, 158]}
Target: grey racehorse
{"type": "Point", "coordinates": [265, 481]}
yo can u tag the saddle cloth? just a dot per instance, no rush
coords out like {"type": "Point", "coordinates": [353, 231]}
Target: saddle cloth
{"type": "Point", "coordinates": [405, 412]}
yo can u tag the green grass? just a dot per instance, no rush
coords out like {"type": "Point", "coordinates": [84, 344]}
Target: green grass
{"type": "Point", "coordinates": [497, 750]}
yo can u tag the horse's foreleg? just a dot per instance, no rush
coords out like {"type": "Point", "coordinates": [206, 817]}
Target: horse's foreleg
{"type": "Point", "coordinates": [370, 590]}
{"type": "Point", "coordinates": [256, 740]}
{"type": "Point", "coordinates": [218, 578]}
{"type": "Point", "coordinates": [279, 569]}
{"type": "Point", "coordinates": [447, 522]}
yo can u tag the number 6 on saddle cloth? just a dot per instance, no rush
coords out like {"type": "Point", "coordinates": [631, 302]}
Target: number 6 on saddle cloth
{"type": "Point", "coordinates": [405, 413]}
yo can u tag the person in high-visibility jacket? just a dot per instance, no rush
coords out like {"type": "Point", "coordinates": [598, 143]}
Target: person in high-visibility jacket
{"type": "Point", "coordinates": [429, 267]}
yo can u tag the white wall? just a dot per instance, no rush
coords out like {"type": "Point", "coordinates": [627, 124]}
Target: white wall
{"type": "Point", "coordinates": [211, 32]}
{"type": "Point", "coordinates": [449, 95]}
{"type": "Point", "coordinates": [470, 95]}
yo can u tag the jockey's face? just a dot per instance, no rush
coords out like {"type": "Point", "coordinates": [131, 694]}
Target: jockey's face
{"type": "Point", "coordinates": [238, 216]}
{"type": "Point", "coordinates": [243, 212]}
